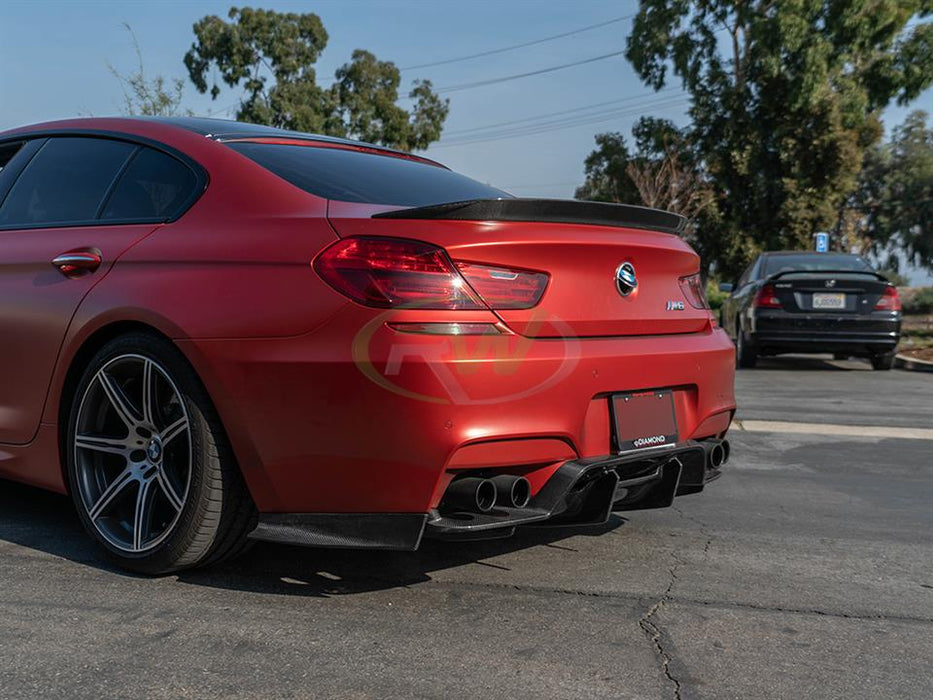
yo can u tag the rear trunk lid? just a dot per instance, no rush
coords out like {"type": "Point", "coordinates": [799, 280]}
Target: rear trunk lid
{"type": "Point", "coordinates": [581, 246]}
{"type": "Point", "coordinates": [830, 292]}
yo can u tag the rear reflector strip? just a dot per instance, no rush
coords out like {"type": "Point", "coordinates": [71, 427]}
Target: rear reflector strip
{"type": "Point", "coordinates": [447, 328]}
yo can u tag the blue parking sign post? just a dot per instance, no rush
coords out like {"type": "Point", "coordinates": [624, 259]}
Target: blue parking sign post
{"type": "Point", "coordinates": [822, 242]}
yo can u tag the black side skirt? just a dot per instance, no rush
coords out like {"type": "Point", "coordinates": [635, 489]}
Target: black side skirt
{"type": "Point", "coordinates": [401, 531]}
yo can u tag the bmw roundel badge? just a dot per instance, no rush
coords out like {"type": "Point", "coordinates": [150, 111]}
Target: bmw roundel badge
{"type": "Point", "coordinates": [626, 281]}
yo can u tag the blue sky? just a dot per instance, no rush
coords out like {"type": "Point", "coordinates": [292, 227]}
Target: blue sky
{"type": "Point", "coordinates": [55, 58]}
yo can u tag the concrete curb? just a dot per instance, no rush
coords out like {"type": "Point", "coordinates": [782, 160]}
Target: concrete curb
{"type": "Point", "coordinates": [912, 364]}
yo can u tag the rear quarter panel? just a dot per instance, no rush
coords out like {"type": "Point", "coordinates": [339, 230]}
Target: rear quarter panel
{"type": "Point", "coordinates": [236, 265]}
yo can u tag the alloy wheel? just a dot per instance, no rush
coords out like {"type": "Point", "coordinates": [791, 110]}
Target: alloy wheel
{"type": "Point", "coordinates": [133, 453]}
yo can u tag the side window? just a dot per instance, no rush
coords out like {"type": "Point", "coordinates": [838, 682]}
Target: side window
{"type": "Point", "coordinates": [8, 175]}
{"type": "Point", "coordinates": [13, 158]}
{"type": "Point", "coordinates": [153, 186]}
{"type": "Point", "coordinates": [65, 182]}
{"type": "Point", "coordinates": [746, 276]}
{"type": "Point", "coordinates": [7, 151]}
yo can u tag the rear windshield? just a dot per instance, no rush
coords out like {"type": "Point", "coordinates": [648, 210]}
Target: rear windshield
{"type": "Point", "coordinates": [815, 262]}
{"type": "Point", "coordinates": [354, 176]}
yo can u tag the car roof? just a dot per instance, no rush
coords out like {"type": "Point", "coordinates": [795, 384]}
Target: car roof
{"type": "Point", "coordinates": [223, 129]}
{"type": "Point", "coordinates": [217, 130]}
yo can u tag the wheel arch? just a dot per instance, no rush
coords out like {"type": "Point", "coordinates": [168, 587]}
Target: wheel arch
{"type": "Point", "coordinates": [87, 349]}
{"type": "Point", "coordinates": [91, 331]}
{"type": "Point", "coordinates": [78, 362]}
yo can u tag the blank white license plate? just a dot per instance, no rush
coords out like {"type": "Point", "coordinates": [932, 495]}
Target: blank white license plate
{"type": "Point", "coordinates": [826, 300]}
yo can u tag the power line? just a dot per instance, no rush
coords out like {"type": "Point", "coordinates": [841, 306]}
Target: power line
{"type": "Point", "coordinates": [552, 114]}
{"type": "Point", "coordinates": [505, 78]}
{"type": "Point", "coordinates": [601, 115]}
{"type": "Point", "coordinates": [558, 125]}
{"type": "Point", "coordinates": [513, 47]}
{"type": "Point", "coordinates": [582, 118]}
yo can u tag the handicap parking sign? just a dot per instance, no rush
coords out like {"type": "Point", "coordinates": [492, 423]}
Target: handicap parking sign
{"type": "Point", "coordinates": [822, 242]}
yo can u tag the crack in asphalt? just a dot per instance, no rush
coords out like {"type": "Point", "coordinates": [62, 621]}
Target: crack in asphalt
{"type": "Point", "coordinates": [679, 600]}
{"type": "Point", "coordinates": [801, 611]}
{"type": "Point", "coordinates": [652, 629]}
{"type": "Point", "coordinates": [655, 633]}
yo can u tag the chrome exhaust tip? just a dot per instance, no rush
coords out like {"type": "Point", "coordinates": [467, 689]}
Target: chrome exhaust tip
{"type": "Point", "coordinates": [513, 491]}
{"type": "Point", "coordinates": [471, 493]}
{"type": "Point", "coordinates": [717, 456]}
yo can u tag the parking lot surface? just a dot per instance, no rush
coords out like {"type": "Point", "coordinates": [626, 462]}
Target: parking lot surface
{"type": "Point", "coordinates": [806, 571]}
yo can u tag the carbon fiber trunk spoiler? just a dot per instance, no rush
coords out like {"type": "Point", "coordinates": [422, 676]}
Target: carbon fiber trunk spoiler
{"type": "Point", "coordinates": [561, 211]}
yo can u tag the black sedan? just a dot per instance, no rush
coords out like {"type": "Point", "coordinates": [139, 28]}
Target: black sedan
{"type": "Point", "coordinates": [803, 302]}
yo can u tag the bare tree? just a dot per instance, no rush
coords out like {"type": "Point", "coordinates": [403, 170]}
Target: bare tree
{"type": "Point", "coordinates": [667, 183]}
{"type": "Point", "coordinates": [157, 97]}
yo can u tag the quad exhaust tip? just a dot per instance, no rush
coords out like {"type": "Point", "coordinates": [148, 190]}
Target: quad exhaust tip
{"type": "Point", "coordinates": [514, 491]}
{"type": "Point", "coordinates": [471, 493]}
{"type": "Point", "coordinates": [478, 495]}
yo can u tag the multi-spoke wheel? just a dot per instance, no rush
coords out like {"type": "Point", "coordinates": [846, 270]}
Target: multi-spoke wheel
{"type": "Point", "coordinates": [132, 452]}
{"type": "Point", "coordinates": [148, 464]}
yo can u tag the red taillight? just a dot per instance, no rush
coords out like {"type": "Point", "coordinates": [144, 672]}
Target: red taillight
{"type": "Point", "coordinates": [504, 288]}
{"type": "Point", "coordinates": [767, 299]}
{"type": "Point", "coordinates": [890, 300]}
{"type": "Point", "coordinates": [400, 273]}
{"type": "Point", "coordinates": [692, 288]}
{"type": "Point", "coordinates": [391, 272]}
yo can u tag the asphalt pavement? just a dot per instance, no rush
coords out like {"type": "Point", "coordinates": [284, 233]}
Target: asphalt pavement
{"type": "Point", "coordinates": [805, 572]}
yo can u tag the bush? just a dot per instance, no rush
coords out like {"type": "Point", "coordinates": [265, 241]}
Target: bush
{"type": "Point", "coordinates": [918, 301]}
{"type": "Point", "coordinates": [714, 296]}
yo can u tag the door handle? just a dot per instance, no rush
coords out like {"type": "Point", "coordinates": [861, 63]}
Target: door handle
{"type": "Point", "coordinates": [75, 263]}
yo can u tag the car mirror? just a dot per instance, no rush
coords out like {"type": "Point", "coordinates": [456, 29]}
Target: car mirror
{"type": "Point", "coordinates": [726, 287]}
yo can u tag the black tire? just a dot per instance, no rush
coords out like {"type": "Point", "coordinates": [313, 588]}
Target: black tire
{"type": "Point", "coordinates": [883, 362]}
{"type": "Point", "coordinates": [840, 356]}
{"type": "Point", "coordinates": [746, 354]}
{"type": "Point", "coordinates": [211, 521]}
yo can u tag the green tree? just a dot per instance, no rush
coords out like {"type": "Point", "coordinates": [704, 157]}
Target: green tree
{"type": "Point", "coordinates": [155, 97]}
{"type": "Point", "coordinates": [607, 178]}
{"type": "Point", "coordinates": [786, 98]}
{"type": "Point", "coordinates": [272, 55]}
{"type": "Point", "coordinates": [893, 205]}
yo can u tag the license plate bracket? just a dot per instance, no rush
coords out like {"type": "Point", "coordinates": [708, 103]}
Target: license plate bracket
{"type": "Point", "coordinates": [643, 419]}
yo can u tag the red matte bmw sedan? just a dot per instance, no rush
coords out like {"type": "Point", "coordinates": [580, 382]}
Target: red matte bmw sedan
{"type": "Point", "coordinates": [214, 332]}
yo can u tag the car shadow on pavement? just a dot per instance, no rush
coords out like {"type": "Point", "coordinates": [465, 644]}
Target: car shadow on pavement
{"type": "Point", "coordinates": [803, 363]}
{"type": "Point", "coordinates": [47, 522]}
{"type": "Point", "coordinates": [292, 570]}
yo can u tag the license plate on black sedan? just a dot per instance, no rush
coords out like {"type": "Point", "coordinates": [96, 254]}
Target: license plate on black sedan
{"type": "Point", "coordinates": [829, 300]}
{"type": "Point", "coordinates": [644, 419]}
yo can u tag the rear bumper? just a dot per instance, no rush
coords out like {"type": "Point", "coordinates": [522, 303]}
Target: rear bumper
{"type": "Point", "coordinates": [780, 331]}
{"type": "Point", "coordinates": [372, 421]}
{"type": "Point", "coordinates": [580, 492]}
